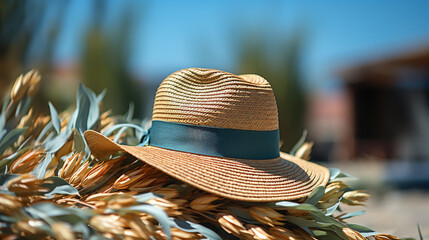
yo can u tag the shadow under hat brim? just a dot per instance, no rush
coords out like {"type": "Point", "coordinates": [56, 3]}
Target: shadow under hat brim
{"type": "Point", "coordinates": [283, 178]}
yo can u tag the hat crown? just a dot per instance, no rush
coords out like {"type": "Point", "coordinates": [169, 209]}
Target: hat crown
{"type": "Point", "coordinates": [215, 98]}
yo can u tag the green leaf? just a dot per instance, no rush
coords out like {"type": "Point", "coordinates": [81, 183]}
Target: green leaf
{"type": "Point", "coordinates": [337, 175]}
{"type": "Point", "coordinates": [193, 227]}
{"type": "Point", "coordinates": [365, 231]}
{"type": "Point", "coordinates": [54, 118]}
{"type": "Point", "coordinates": [130, 113]}
{"type": "Point", "coordinates": [40, 170]}
{"type": "Point", "coordinates": [352, 214]}
{"type": "Point", "coordinates": [12, 157]}
{"type": "Point", "coordinates": [331, 210]}
{"type": "Point", "coordinates": [53, 145]}
{"type": "Point", "coordinates": [55, 211]}
{"type": "Point", "coordinates": [57, 185]}
{"type": "Point", "coordinates": [291, 205]}
{"type": "Point", "coordinates": [420, 232]}
{"type": "Point", "coordinates": [316, 195]}
{"type": "Point", "coordinates": [79, 142]}
{"type": "Point", "coordinates": [10, 138]}
{"type": "Point", "coordinates": [88, 109]}
{"type": "Point", "coordinates": [83, 108]}
{"type": "Point", "coordinates": [306, 222]}
{"type": "Point", "coordinates": [44, 131]}
{"type": "Point", "coordinates": [283, 204]}
{"type": "Point", "coordinates": [2, 123]}
{"type": "Point", "coordinates": [299, 143]}
{"type": "Point", "coordinates": [334, 172]}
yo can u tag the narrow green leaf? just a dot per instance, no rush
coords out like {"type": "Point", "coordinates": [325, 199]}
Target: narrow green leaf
{"type": "Point", "coordinates": [130, 113]}
{"type": "Point", "coordinates": [53, 145]}
{"type": "Point", "coordinates": [316, 195]}
{"type": "Point", "coordinates": [54, 118]}
{"type": "Point", "coordinates": [2, 122]}
{"type": "Point", "coordinates": [306, 222]}
{"type": "Point", "coordinates": [40, 170]}
{"type": "Point", "coordinates": [101, 95]}
{"type": "Point", "coordinates": [365, 231]}
{"type": "Point", "coordinates": [83, 110]}
{"type": "Point", "coordinates": [188, 226]}
{"type": "Point", "coordinates": [57, 185]}
{"type": "Point", "coordinates": [331, 210]}
{"type": "Point", "coordinates": [53, 211]}
{"type": "Point", "coordinates": [334, 172]}
{"type": "Point", "coordinates": [420, 232]}
{"type": "Point", "coordinates": [10, 138]}
{"type": "Point", "coordinates": [352, 214]}
{"type": "Point", "coordinates": [79, 141]}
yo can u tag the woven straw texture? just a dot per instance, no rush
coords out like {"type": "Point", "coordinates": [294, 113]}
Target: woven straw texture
{"type": "Point", "coordinates": [219, 99]}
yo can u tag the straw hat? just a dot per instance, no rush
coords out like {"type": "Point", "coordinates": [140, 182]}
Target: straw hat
{"type": "Point", "coordinates": [219, 132]}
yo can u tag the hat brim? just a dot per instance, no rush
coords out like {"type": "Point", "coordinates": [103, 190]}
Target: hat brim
{"type": "Point", "coordinates": [283, 178]}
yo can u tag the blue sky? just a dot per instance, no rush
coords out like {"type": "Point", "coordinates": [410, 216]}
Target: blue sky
{"type": "Point", "coordinates": [170, 35]}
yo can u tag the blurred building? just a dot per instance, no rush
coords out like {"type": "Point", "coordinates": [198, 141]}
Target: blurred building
{"type": "Point", "coordinates": [387, 112]}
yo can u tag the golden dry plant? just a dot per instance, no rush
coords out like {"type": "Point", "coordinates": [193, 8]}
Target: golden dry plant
{"type": "Point", "coordinates": [51, 187]}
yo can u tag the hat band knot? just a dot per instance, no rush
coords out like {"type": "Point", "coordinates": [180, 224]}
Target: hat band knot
{"type": "Point", "coordinates": [214, 141]}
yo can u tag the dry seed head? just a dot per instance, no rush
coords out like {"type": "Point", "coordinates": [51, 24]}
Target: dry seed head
{"type": "Point", "coordinates": [383, 236]}
{"type": "Point", "coordinates": [18, 89]}
{"type": "Point", "coordinates": [266, 215]}
{"type": "Point", "coordinates": [130, 177]}
{"type": "Point", "coordinates": [303, 234]}
{"type": "Point", "coordinates": [34, 84]}
{"type": "Point", "coordinates": [97, 173]}
{"type": "Point", "coordinates": [77, 176]}
{"type": "Point", "coordinates": [169, 207]}
{"type": "Point", "coordinates": [283, 234]}
{"type": "Point", "coordinates": [26, 162]}
{"type": "Point", "coordinates": [28, 227]}
{"type": "Point", "coordinates": [180, 234]}
{"type": "Point", "coordinates": [356, 197]}
{"type": "Point", "coordinates": [259, 233]}
{"type": "Point", "coordinates": [9, 204]}
{"type": "Point", "coordinates": [167, 193]}
{"type": "Point", "coordinates": [352, 234]}
{"type": "Point", "coordinates": [229, 223]}
{"type": "Point", "coordinates": [334, 190]}
{"type": "Point", "coordinates": [304, 151]}
{"type": "Point", "coordinates": [138, 227]}
{"type": "Point", "coordinates": [62, 231]}
{"type": "Point", "coordinates": [26, 185]}
{"type": "Point", "coordinates": [203, 203]}
{"type": "Point", "coordinates": [101, 196]}
{"type": "Point", "coordinates": [121, 202]}
{"type": "Point", "coordinates": [71, 165]}
{"type": "Point", "coordinates": [107, 224]}
{"type": "Point", "coordinates": [65, 149]}
{"type": "Point", "coordinates": [26, 120]}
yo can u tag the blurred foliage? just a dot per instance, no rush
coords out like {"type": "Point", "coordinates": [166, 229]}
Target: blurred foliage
{"type": "Point", "coordinates": [102, 64]}
{"type": "Point", "coordinates": [105, 60]}
{"type": "Point", "coordinates": [280, 65]}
